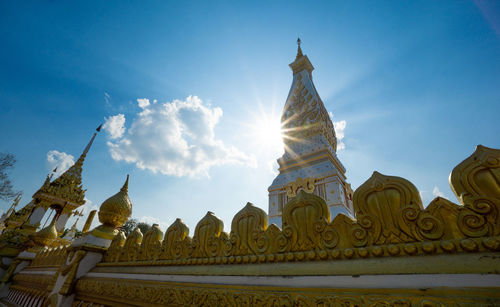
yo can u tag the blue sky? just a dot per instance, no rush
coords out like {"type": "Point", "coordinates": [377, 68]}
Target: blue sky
{"type": "Point", "coordinates": [417, 84]}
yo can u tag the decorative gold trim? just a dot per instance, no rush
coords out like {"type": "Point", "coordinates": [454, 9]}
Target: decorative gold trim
{"type": "Point", "coordinates": [114, 292]}
{"type": "Point", "coordinates": [477, 263]}
{"type": "Point", "coordinates": [70, 270]}
{"type": "Point", "coordinates": [391, 222]}
{"type": "Point", "coordinates": [37, 282]}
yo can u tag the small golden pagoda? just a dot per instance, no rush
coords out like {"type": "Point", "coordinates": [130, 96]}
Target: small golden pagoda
{"type": "Point", "coordinates": [62, 195]}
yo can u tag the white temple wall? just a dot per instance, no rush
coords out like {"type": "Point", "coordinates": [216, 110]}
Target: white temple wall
{"type": "Point", "coordinates": [335, 192]}
{"type": "Point", "coordinates": [37, 215]}
{"type": "Point", "coordinates": [61, 222]}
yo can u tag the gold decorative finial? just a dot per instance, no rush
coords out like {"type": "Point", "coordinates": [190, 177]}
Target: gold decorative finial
{"type": "Point", "coordinates": [299, 51]}
{"type": "Point", "coordinates": [125, 185]}
{"type": "Point", "coordinates": [113, 213]}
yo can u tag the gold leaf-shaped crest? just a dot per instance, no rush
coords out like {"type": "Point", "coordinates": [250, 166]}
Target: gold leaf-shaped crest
{"type": "Point", "coordinates": [389, 205]}
{"type": "Point", "coordinates": [478, 175]}
{"type": "Point", "coordinates": [246, 226]}
{"type": "Point", "coordinates": [305, 218]}
{"type": "Point", "coordinates": [151, 244]}
{"type": "Point", "coordinates": [476, 183]}
{"type": "Point", "coordinates": [113, 252]}
{"type": "Point", "coordinates": [175, 241]}
{"type": "Point", "coordinates": [132, 246]}
{"type": "Point", "coordinates": [206, 236]}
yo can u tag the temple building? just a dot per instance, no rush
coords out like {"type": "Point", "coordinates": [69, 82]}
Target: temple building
{"type": "Point", "coordinates": [398, 251]}
{"type": "Point", "coordinates": [310, 161]}
{"type": "Point", "coordinates": [55, 201]}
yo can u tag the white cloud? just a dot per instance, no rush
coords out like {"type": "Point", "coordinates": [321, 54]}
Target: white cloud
{"type": "Point", "coordinates": [176, 138]}
{"type": "Point", "coordinates": [437, 193]}
{"type": "Point", "coordinates": [107, 99]}
{"type": "Point", "coordinates": [61, 160]}
{"type": "Point", "coordinates": [115, 126]}
{"type": "Point", "coordinates": [273, 167]}
{"type": "Point", "coordinates": [144, 103]}
{"type": "Point", "coordinates": [339, 131]}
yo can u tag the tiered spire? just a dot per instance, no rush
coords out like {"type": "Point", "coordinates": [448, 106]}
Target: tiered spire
{"type": "Point", "coordinates": [304, 114]}
{"type": "Point", "coordinates": [301, 61]}
{"type": "Point", "coordinates": [69, 184]}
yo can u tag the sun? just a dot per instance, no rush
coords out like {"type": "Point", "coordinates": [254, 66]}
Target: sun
{"type": "Point", "coordinates": [265, 131]}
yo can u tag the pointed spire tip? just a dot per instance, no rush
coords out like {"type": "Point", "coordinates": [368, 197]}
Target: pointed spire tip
{"type": "Point", "coordinates": [125, 185]}
{"type": "Point", "coordinates": [299, 50]}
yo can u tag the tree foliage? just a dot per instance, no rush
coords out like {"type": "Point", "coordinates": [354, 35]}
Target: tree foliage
{"type": "Point", "coordinates": [132, 224]}
{"type": "Point", "coordinates": [129, 226]}
{"type": "Point", "coordinates": [144, 227]}
{"type": "Point", "coordinates": [7, 162]}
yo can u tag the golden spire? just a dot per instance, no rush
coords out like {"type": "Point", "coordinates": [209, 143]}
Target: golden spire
{"type": "Point", "coordinates": [299, 51]}
{"type": "Point", "coordinates": [301, 61]}
{"type": "Point", "coordinates": [75, 171]}
{"type": "Point", "coordinates": [69, 184]}
{"type": "Point", "coordinates": [125, 186]}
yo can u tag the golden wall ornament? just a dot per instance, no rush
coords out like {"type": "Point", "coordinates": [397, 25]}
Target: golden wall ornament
{"type": "Point", "coordinates": [306, 223]}
{"type": "Point", "coordinates": [33, 281]}
{"type": "Point", "coordinates": [390, 221]}
{"type": "Point", "coordinates": [209, 239]}
{"type": "Point", "coordinates": [151, 244]}
{"type": "Point", "coordinates": [476, 183]}
{"type": "Point", "coordinates": [114, 250]}
{"type": "Point", "coordinates": [119, 292]}
{"type": "Point", "coordinates": [50, 257]}
{"type": "Point", "coordinates": [176, 243]}
{"type": "Point", "coordinates": [307, 184]}
{"type": "Point", "coordinates": [131, 248]}
{"type": "Point", "coordinates": [69, 270]}
{"type": "Point", "coordinates": [389, 210]}
{"type": "Point", "coordinates": [9, 272]}
{"type": "Point", "coordinates": [247, 225]}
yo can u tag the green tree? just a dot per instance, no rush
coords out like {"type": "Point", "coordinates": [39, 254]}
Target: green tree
{"type": "Point", "coordinates": [144, 227]}
{"type": "Point", "coordinates": [129, 226]}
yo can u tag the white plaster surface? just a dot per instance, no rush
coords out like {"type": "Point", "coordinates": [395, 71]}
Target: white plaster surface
{"type": "Point", "coordinates": [26, 254]}
{"type": "Point", "coordinates": [37, 215]}
{"type": "Point", "coordinates": [89, 239]}
{"type": "Point", "coordinates": [413, 281]}
{"type": "Point", "coordinates": [61, 222]}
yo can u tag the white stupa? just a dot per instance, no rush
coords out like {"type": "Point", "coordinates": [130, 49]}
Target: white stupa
{"type": "Point", "coordinates": [310, 161]}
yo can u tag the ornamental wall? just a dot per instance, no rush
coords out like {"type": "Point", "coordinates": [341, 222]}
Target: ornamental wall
{"type": "Point", "coordinates": [395, 253]}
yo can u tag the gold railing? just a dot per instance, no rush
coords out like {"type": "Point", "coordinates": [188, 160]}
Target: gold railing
{"type": "Point", "coordinates": [390, 221]}
{"type": "Point", "coordinates": [51, 257]}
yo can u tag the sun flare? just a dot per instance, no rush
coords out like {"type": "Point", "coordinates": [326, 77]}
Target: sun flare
{"type": "Point", "coordinates": [265, 133]}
